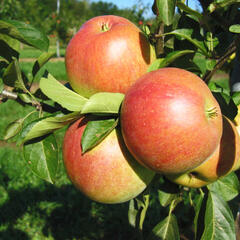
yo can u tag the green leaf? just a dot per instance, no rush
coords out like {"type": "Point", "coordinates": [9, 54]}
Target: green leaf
{"type": "Point", "coordinates": [166, 9]}
{"type": "Point", "coordinates": [221, 4]}
{"type": "Point", "coordinates": [9, 47]}
{"type": "Point", "coordinates": [236, 98]}
{"type": "Point", "coordinates": [1, 85]}
{"type": "Point", "coordinates": [227, 187]}
{"type": "Point", "coordinates": [132, 213]}
{"type": "Point", "coordinates": [189, 10]}
{"type": "Point", "coordinates": [25, 97]}
{"type": "Point", "coordinates": [42, 59]}
{"type": "Point", "coordinates": [13, 129]}
{"type": "Point", "coordinates": [198, 204]}
{"type": "Point", "coordinates": [219, 221]}
{"type": "Point", "coordinates": [235, 28]}
{"type": "Point", "coordinates": [42, 157]}
{"type": "Point", "coordinates": [103, 103]}
{"type": "Point", "coordinates": [172, 56]}
{"type": "Point", "coordinates": [25, 33]}
{"type": "Point", "coordinates": [61, 94]}
{"type": "Point", "coordinates": [142, 208]}
{"type": "Point", "coordinates": [166, 229]}
{"type": "Point", "coordinates": [12, 75]}
{"type": "Point", "coordinates": [96, 131]}
{"type": "Point", "coordinates": [166, 198]}
{"type": "Point", "coordinates": [155, 65]}
{"type": "Point", "coordinates": [46, 125]}
{"type": "Point", "coordinates": [186, 33]}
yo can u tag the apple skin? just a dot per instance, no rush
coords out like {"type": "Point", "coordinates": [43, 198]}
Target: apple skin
{"type": "Point", "coordinates": [108, 54]}
{"type": "Point", "coordinates": [170, 121]}
{"type": "Point", "coordinates": [223, 161]}
{"type": "Point", "coordinates": [107, 173]}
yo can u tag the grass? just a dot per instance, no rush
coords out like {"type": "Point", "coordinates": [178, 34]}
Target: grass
{"type": "Point", "coordinates": [29, 52]}
{"type": "Point", "coordinates": [57, 69]}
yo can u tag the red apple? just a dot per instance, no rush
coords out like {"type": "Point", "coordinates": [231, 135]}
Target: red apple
{"type": "Point", "coordinates": [107, 173]}
{"type": "Point", "coordinates": [108, 54]}
{"type": "Point", "coordinates": [224, 160]}
{"type": "Point", "coordinates": [170, 121]}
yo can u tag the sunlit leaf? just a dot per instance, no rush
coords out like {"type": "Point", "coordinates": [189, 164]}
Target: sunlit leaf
{"type": "Point", "coordinates": [25, 33]}
{"type": "Point", "coordinates": [96, 131]}
{"type": "Point", "coordinates": [61, 94]}
{"type": "Point", "coordinates": [219, 221]}
{"type": "Point", "coordinates": [227, 187]}
{"type": "Point", "coordinates": [166, 9]}
{"type": "Point", "coordinates": [166, 229]}
{"type": "Point", "coordinates": [103, 103]}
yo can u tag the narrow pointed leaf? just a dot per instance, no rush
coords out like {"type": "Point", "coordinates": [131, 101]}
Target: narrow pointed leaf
{"type": "Point", "coordinates": [61, 94]}
{"type": "Point", "coordinates": [166, 198]}
{"type": "Point", "coordinates": [132, 213]}
{"type": "Point", "coordinates": [46, 125]}
{"type": "Point", "coordinates": [44, 57]}
{"type": "Point", "coordinates": [219, 221]}
{"type": "Point", "coordinates": [166, 9]}
{"type": "Point", "coordinates": [187, 34]}
{"type": "Point", "coordinates": [42, 157]}
{"type": "Point", "coordinates": [228, 187]}
{"type": "Point", "coordinates": [13, 129]}
{"type": "Point", "coordinates": [103, 103]}
{"type": "Point", "coordinates": [221, 4]}
{"type": "Point", "coordinates": [171, 57]}
{"type": "Point", "coordinates": [95, 132]}
{"type": "Point", "coordinates": [166, 229]}
{"type": "Point", "coordinates": [9, 47]}
{"type": "Point", "coordinates": [25, 33]}
{"type": "Point", "coordinates": [189, 10]}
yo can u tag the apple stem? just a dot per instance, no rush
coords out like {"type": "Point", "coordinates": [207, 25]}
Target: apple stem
{"type": "Point", "coordinates": [212, 112]}
{"type": "Point", "coordinates": [105, 27]}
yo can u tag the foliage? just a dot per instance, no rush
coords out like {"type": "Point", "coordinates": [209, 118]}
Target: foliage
{"type": "Point", "coordinates": [201, 42]}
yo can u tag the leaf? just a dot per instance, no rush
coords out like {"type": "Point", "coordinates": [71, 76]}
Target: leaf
{"type": "Point", "coordinates": [61, 94]}
{"type": "Point", "coordinates": [42, 59]}
{"type": "Point", "coordinates": [25, 33]}
{"type": "Point", "coordinates": [227, 187]}
{"type": "Point", "coordinates": [25, 97]}
{"type": "Point", "coordinates": [13, 129]}
{"type": "Point", "coordinates": [189, 10]}
{"type": "Point", "coordinates": [187, 34]}
{"type": "Point", "coordinates": [96, 131]}
{"type": "Point", "coordinates": [218, 221]}
{"type": "Point", "coordinates": [166, 9]}
{"type": "Point", "coordinates": [46, 125]}
{"type": "Point", "coordinates": [9, 47]}
{"type": "Point", "coordinates": [103, 103]}
{"type": "Point", "coordinates": [12, 75]}
{"type": "Point", "coordinates": [166, 198]}
{"type": "Point", "coordinates": [198, 207]}
{"type": "Point", "coordinates": [142, 209]}
{"type": "Point", "coordinates": [42, 157]}
{"type": "Point", "coordinates": [155, 65]}
{"type": "Point", "coordinates": [132, 213]}
{"type": "Point", "coordinates": [221, 4]}
{"type": "Point", "coordinates": [165, 230]}
{"type": "Point", "coordinates": [171, 57]}
{"type": "Point", "coordinates": [235, 28]}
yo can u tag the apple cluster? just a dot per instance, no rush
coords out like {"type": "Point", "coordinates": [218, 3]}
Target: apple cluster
{"type": "Point", "coordinates": [170, 123]}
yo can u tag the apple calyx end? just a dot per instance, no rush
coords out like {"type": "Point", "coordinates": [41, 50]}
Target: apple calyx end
{"type": "Point", "coordinates": [104, 27]}
{"type": "Point", "coordinates": [212, 112]}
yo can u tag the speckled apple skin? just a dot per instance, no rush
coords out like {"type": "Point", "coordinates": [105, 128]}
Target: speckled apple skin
{"type": "Point", "coordinates": [107, 61]}
{"type": "Point", "coordinates": [165, 121]}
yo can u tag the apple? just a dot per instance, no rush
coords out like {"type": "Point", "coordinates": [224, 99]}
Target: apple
{"type": "Point", "coordinates": [107, 173]}
{"type": "Point", "coordinates": [224, 160]}
{"type": "Point", "coordinates": [108, 54]}
{"type": "Point", "coordinates": [170, 121]}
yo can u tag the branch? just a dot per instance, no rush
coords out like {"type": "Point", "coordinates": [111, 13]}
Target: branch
{"type": "Point", "coordinates": [231, 49]}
